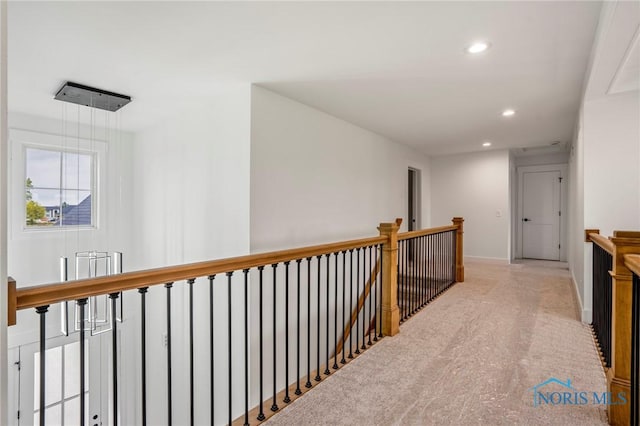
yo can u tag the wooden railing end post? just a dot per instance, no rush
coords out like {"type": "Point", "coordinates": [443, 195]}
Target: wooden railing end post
{"type": "Point", "coordinates": [390, 310]}
{"type": "Point", "coordinates": [458, 221]}
{"type": "Point", "coordinates": [587, 238]}
{"type": "Point", "coordinates": [13, 302]}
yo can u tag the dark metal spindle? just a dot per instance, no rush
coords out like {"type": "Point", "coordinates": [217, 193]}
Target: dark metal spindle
{"type": "Point", "coordinates": [114, 355]}
{"type": "Point", "coordinates": [42, 310]}
{"type": "Point", "coordinates": [191, 367]}
{"type": "Point", "coordinates": [380, 290]}
{"type": "Point", "coordinates": [229, 304]}
{"type": "Point", "coordinates": [286, 399]}
{"type": "Point", "coordinates": [274, 406]}
{"type": "Point", "coordinates": [261, 415]}
{"type": "Point", "coordinates": [143, 352]}
{"type": "Point", "coordinates": [82, 303]}
{"type": "Point", "coordinates": [357, 351]}
{"type": "Point", "coordinates": [371, 289]}
{"type": "Point", "coordinates": [326, 365]}
{"type": "Point", "coordinates": [350, 303]}
{"type": "Point", "coordinates": [364, 296]}
{"type": "Point", "coordinates": [298, 390]}
{"type": "Point", "coordinates": [308, 384]}
{"type": "Point", "coordinates": [245, 272]}
{"type": "Point", "coordinates": [344, 299]}
{"type": "Point", "coordinates": [212, 375]}
{"type": "Point", "coordinates": [335, 312]}
{"type": "Point", "coordinates": [168, 286]}
{"type": "Point", "coordinates": [318, 318]}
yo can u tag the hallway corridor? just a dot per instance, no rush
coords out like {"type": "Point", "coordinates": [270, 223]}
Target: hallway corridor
{"type": "Point", "coordinates": [471, 357]}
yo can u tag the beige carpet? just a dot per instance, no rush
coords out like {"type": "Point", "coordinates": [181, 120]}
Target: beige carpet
{"type": "Point", "coordinates": [471, 357]}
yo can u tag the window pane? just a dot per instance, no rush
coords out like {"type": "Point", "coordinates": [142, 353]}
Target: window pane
{"type": "Point", "coordinates": [76, 208]}
{"type": "Point", "coordinates": [72, 411]}
{"type": "Point", "coordinates": [72, 369]}
{"type": "Point", "coordinates": [43, 168]}
{"type": "Point", "coordinates": [53, 383]}
{"type": "Point", "coordinates": [76, 171]}
{"type": "Point", "coordinates": [43, 209]}
{"type": "Point", "coordinates": [53, 416]}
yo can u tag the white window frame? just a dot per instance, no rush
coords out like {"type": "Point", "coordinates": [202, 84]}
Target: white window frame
{"type": "Point", "coordinates": [20, 140]}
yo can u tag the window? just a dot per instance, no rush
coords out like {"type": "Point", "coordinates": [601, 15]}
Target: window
{"type": "Point", "coordinates": [58, 188]}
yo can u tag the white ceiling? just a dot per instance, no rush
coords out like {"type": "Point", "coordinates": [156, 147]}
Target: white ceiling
{"type": "Point", "coordinates": [396, 68]}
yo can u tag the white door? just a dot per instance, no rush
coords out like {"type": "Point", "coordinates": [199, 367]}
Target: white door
{"type": "Point", "coordinates": [541, 214]}
{"type": "Point", "coordinates": [62, 389]}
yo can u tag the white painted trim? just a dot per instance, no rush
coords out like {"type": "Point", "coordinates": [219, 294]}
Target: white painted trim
{"type": "Point", "coordinates": [585, 314]}
{"type": "Point", "coordinates": [4, 163]}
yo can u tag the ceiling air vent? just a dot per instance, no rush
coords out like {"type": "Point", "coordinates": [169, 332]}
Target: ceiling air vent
{"type": "Point", "coordinates": [91, 97]}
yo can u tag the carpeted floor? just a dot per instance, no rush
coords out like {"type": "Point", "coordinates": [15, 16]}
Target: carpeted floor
{"type": "Point", "coordinates": [471, 357]}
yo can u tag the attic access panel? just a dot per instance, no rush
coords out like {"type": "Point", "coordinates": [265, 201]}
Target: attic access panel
{"type": "Point", "coordinates": [91, 97]}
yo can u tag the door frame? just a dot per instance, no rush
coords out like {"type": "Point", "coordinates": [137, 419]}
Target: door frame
{"type": "Point", "coordinates": [564, 189]}
{"type": "Point", "coordinates": [415, 196]}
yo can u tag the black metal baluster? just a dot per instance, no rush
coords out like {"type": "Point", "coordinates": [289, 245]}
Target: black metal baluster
{"type": "Point", "coordinates": [190, 282]}
{"type": "Point", "coordinates": [212, 374]}
{"type": "Point", "coordinates": [298, 390]}
{"type": "Point", "coordinates": [408, 268]}
{"type": "Point", "coordinates": [168, 286]}
{"type": "Point", "coordinates": [335, 312]}
{"type": "Point", "coordinates": [143, 352]}
{"type": "Point", "coordinates": [308, 384]}
{"type": "Point", "coordinates": [274, 406]}
{"type": "Point", "coordinates": [423, 272]}
{"type": "Point", "coordinates": [82, 303]}
{"type": "Point", "coordinates": [261, 415]}
{"type": "Point", "coordinates": [380, 290]}
{"type": "Point", "coordinates": [414, 264]}
{"type": "Point", "coordinates": [229, 274]}
{"type": "Point", "coordinates": [245, 272]}
{"type": "Point", "coordinates": [42, 310]}
{"type": "Point", "coordinates": [114, 355]}
{"type": "Point", "coordinates": [318, 319]}
{"type": "Point", "coordinates": [371, 289]}
{"type": "Point", "coordinates": [364, 296]}
{"type": "Point", "coordinates": [357, 351]}
{"type": "Point", "coordinates": [344, 301]}
{"type": "Point", "coordinates": [350, 303]}
{"type": "Point", "coordinates": [401, 249]}
{"type": "Point", "coordinates": [326, 365]}
{"type": "Point", "coordinates": [376, 314]}
{"type": "Point", "coordinates": [286, 399]}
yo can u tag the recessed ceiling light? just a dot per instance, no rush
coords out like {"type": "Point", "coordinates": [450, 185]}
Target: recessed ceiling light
{"type": "Point", "coordinates": [508, 113]}
{"type": "Point", "coordinates": [485, 144]}
{"type": "Point", "coordinates": [478, 47]}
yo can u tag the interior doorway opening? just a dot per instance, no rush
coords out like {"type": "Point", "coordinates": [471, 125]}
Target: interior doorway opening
{"type": "Point", "coordinates": [413, 198]}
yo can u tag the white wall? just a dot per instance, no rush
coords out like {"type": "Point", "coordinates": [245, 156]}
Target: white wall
{"type": "Point", "coordinates": [316, 178]}
{"type": "Point", "coordinates": [191, 203]}
{"type": "Point", "coordinates": [476, 187]}
{"type": "Point", "coordinates": [611, 132]}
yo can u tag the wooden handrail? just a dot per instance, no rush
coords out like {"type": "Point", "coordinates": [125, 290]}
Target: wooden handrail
{"type": "Point", "coordinates": [632, 261]}
{"type": "Point", "coordinates": [423, 232]}
{"type": "Point", "coordinates": [42, 295]}
{"type": "Point", "coordinates": [601, 241]}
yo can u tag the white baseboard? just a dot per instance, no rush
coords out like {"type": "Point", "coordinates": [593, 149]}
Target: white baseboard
{"type": "Point", "coordinates": [586, 315]}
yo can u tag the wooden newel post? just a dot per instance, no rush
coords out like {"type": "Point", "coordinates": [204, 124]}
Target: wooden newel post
{"type": "Point", "coordinates": [11, 296]}
{"type": "Point", "coordinates": [619, 375]}
{"type": "Point", "coordinates": [458, 221]}
{"type": "Point", "coordinates": [390, 311]}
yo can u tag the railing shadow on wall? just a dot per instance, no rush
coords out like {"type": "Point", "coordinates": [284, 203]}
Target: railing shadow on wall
{"type": "Point", "coordinates": [615, 319]}
{"type": "Point", "coordinates": [285, 320]}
